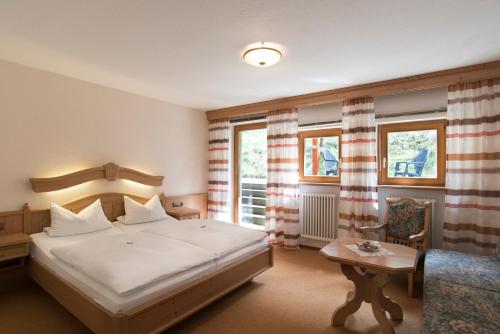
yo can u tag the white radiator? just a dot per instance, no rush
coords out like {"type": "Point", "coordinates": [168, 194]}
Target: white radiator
{"type": "Point", "coordinates": [318, 216]}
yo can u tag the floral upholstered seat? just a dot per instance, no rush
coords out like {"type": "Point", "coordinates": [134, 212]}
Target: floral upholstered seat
{"type": "Point", "coordinates": [461, 293]}
{"type": "Point", "coordinates": [482, 272]}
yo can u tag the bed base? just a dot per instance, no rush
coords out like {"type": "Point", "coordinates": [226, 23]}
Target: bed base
{"type": "Point", "coordinates": [160, 313]}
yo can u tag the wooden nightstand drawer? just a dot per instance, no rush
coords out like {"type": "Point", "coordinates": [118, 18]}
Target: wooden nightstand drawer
{"type": "Point", "coordinates": [191, 216]}
{"type": "Point", "coordinates": [13, 251]}
{"type": "Point", "coordinates": [14, 248]}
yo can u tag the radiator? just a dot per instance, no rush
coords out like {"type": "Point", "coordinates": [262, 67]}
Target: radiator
{"type": "Point", "coordinates": [318, 216]}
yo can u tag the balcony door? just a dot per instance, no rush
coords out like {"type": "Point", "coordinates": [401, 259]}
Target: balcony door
{"type": "Point", "coordinates": [250, 174]}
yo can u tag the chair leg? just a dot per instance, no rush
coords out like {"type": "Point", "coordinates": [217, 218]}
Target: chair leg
{"type": "Point", "coordinates": [410, 285]}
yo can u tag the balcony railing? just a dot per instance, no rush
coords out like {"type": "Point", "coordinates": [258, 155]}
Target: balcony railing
{"type": "Point", "coordinates": [253, 201]}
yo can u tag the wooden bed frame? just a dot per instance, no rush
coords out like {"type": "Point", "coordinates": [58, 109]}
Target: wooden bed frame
{"type": "Point", "coordinates": [154, 315]}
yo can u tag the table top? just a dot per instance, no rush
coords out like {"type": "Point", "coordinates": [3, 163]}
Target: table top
{"type": "Point", "coordinates": [404, 259]}
{"type": "Point", "coordinates": [182, 211]}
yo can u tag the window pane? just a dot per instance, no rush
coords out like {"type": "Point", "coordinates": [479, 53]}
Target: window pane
{"type": "Point", "coordinates": [412, 154]}
{"type": "Point", "coordinates": [321, 156]}
{"type": "Point", "coordinates": [252, 178]}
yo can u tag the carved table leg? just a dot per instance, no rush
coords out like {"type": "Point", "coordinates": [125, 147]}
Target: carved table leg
{"type": "Point", "coordinates": [390, 306]}
{"type": "Point", "coordinates": [351, 305]}
{"type": "Point", "coordinates": [368, 288]}
{"type": "Point", "coordinates": [353, 300]}
{"type": "Point", "coordinates": [384, 323]}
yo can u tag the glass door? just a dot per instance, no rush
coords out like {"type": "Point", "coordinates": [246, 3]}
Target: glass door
{"type": "Point", "coordinates": [250, 171]}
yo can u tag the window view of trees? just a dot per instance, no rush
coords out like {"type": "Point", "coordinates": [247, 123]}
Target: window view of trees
{"type": "Point", "coordinates": [412, 154]}
{"type": "Point", "coordinates": [253, 172]}
{"type": "Point", "coordinates": [253, 154]}
{"type": "Point", "coordinates": [321, 156]}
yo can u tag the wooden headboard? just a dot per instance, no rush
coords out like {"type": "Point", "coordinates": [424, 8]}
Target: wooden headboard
{"type": "Point", "coordinates": [33, 221]}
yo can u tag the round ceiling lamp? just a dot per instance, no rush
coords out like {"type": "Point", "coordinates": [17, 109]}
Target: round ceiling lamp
{"type": "Point", "coordinates": [262, 54]}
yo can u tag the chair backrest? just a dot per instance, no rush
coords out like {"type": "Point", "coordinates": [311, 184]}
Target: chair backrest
{"type": "Point", "coordinates": [422, 156]}
{"type": "Point", "coordinates": [328, 155]}
{"type": "Point", "coordinates": [405, 217]}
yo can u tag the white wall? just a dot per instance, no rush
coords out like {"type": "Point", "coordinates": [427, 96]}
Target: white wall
{"type": "Point", "coordinates": [51, 125]}
{"type": "Point", "coordinates": [391, 104]}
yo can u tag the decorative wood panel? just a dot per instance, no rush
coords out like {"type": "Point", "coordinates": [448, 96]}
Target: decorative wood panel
{"type": "Point", "coordinates": [109, 171]}
{"type": "Point", "coordinates": [11, 222]}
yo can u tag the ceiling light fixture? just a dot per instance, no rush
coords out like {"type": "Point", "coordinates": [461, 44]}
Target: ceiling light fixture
{"type": "Point", "coordinates": [262, 54]}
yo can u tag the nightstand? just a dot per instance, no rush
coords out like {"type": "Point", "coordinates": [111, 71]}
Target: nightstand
{"type": "Point", "coordinates": [14, 248]}
{"type": "Point", "coordinates": [184, 213]}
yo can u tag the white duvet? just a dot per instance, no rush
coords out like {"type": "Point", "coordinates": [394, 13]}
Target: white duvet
{"type": "Point", "coordinates": [125, 262]}
{"type": "Point", "coordinates": [217, 237]}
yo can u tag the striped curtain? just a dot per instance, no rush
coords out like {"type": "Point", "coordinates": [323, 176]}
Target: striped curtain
{"type": "Point", "coordinates": [358, 178]}
{"type": "Point", "coordinates": [218, 169]}
{"type": "Point", "coordinates": [472, 203]}
{"type": "Point", "coordinates": [282, 208]}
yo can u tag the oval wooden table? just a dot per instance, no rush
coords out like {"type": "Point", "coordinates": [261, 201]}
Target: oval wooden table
{"type": "Point", "coordinates": [370, 274]}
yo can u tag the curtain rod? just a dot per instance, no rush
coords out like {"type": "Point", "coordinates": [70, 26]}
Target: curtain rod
{"type": "Point", "coordinates": [411, 113]}
{"type": "Point", "coordinates": [254, 118]}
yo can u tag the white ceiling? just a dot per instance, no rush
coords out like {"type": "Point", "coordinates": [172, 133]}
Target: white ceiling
{"type": "Point", "coordinates": [188, 52]}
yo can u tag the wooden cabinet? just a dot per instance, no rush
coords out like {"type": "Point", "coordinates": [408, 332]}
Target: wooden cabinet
{"type": "Point", "coordinates": [182, 213]}
{"type": "Point", "coordinates": [14, 248]}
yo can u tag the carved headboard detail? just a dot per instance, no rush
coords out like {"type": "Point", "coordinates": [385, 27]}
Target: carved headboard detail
{"type": "Point", "coordinates": [33, 221]}
{"type": "Point", "coordinates": [109, 171]}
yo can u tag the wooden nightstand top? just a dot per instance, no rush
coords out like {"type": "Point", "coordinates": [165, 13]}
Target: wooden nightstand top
{"type": "Point", "coordinates": [182, 212]}
{"type": "Point", "coordinates": [14, 239]}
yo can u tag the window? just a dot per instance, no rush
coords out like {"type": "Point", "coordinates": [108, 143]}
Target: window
{"type": "Point", "coordinates": [319, 154]}
{"type": "Point", "coordinates": [250, 174]}
{"type": "Point", "coordinates": [412, 153]}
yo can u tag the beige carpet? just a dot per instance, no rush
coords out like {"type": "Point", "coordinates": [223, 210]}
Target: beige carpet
{"type": "Point", "coordinates": [298, 295]}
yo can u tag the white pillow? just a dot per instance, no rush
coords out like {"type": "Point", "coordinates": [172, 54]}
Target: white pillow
{"type": "Point", "coordinates": [64, 222]}
{"type": "Point", "coordinates": [136, 213]}
{"type": "Point", "coordinates": [121, 219]}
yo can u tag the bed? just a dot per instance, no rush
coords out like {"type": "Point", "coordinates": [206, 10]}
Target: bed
{"type": "Point", "coordinates": [158, 306]}
{"type": "Point", "coordinates": [149, 310]}
{"type": "Point", "coordinates": [41, 253]}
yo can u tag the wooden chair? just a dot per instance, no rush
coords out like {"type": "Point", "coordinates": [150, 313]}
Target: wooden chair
{"type": "Point", "coordinates": [406, 222]}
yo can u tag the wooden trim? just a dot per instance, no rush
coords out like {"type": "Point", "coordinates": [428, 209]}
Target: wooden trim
{"type": "Point", "coordinates": [109, 171]}
{"type": "Point", "coordinates": [384, 129]}
{"type": "Point", "coordinates": [315, 134]}
{"type": "Point", "coordinates": [157, 314]}
{"type": "Point", "coordinates": [436, 79]}
{"type": "Point", "coordinates": [236, 161]}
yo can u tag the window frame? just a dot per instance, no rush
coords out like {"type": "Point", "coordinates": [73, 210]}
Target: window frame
{"type": "Point", "coordinates": [330, 132]}
{"type": "Point", "coordinates": [384, 129]}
